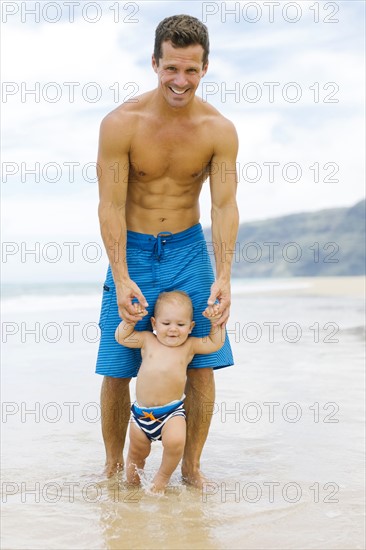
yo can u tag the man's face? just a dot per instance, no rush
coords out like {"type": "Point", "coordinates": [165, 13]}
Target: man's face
{"type": "Point", "coordinates": [179, 71]}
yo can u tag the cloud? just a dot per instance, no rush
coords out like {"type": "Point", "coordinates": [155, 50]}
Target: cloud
{"type": "Point", "coordinates": [112, 58]}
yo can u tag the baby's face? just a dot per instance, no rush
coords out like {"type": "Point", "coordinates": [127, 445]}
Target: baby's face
{"type": "Point", "coordinates": [173, 324]}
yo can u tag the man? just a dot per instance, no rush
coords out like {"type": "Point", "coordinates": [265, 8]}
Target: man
{"type": "Point", "coordinates": [154, 155]}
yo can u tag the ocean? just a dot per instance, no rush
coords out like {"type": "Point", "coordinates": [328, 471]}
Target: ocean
{"type": "Point", "coordinates": [285, 453]}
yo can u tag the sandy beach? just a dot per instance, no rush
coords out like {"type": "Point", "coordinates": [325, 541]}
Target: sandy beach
{"type": "Point", "coordinates": [285, 454]}
{"type": "Point", "coordinates": [310, 286]}
{"type": "Point", "coordinates": [331, 286]}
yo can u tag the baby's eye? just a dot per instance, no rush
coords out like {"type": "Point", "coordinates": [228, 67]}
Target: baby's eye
{"type": "Point", "coordinates": [181, 324]}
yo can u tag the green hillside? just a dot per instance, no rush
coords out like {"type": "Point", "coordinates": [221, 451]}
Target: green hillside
{"type": "Point", "coordinates": [323, 243]}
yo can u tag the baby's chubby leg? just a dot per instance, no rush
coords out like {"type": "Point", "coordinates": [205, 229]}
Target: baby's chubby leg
{"type": "Point", "coordinates": [138, 451]}
{"type": "Point", "coordinates": [173, 439]}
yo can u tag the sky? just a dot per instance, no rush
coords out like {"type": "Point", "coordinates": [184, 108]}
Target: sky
{"type": "Point", "coordinates": [290, 75]}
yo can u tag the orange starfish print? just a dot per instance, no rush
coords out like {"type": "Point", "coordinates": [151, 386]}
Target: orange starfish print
{"type": "Point", "coordinates": [151, 416]}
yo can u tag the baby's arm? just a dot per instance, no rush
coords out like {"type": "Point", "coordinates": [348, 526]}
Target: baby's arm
{"type": "Point", "coordinates": [126, 335]}
{"type": "Point", "coordinates": [216, 338]}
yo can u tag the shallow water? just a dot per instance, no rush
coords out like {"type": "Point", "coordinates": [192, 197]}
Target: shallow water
{"type": "Point", "coordinates": [284, 455]}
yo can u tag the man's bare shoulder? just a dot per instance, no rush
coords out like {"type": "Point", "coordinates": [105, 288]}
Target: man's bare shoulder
{"type": "Point", "coordinates": [214, 118]}
{"type": "Point", "coordinates": [218, 125]}
{"type": "Point", "coordinates": [127, 114]}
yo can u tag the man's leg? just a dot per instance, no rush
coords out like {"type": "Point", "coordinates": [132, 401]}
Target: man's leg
{"type": "Point", "coordinates": [115, 409]}
{"type": "Point", "coordinates": [199, 403]}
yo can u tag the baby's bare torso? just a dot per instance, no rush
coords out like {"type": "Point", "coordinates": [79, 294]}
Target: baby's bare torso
{"type": "Point", "coordinates": [163, 372]}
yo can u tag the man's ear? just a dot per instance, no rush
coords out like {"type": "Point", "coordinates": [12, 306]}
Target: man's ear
{"type": "Point", "coordinates": [154, 64]}
{"type": "Point", "coordinates": [204, 70]}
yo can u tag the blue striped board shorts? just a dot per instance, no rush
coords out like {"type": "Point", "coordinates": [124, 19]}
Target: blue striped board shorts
{"type": "Point", "coordinates": [178, 261]}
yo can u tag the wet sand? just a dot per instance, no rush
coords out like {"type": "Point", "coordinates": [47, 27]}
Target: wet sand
{"type": "Point", "coordinates": [310, 286]}
{"type": "Point", "coordinates": [285, 453]}
{"type": "Point", "coordinates": [332, 286]}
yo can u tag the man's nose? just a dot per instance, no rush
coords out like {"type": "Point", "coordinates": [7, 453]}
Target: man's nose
{"type": "Point", "coordinates": [180, 80]}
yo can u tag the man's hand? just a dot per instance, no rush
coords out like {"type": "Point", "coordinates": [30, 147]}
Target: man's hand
{"type": "Point", "coordinates": [128, 311]}
{"type": "Point", "coordinates": [212, 313]}
{"type": "Point", "coordinates": [220, 291]}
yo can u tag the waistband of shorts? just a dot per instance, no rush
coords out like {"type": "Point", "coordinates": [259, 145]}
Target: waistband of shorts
{"type": "Point", "coordinates": [163, 409]}
{"type": "Point", "coordinates": [175, 240]}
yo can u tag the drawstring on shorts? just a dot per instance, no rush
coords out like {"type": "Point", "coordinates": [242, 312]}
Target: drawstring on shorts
{"type": "Point", "coordinates": [158, 250]}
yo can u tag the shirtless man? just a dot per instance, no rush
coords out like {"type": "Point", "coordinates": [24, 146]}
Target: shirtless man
{"type": "Point", "coordinates": [154, 155]}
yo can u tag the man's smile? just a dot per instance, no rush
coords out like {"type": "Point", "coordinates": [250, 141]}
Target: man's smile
{"type": "Point", "coordinates": [178, 92]}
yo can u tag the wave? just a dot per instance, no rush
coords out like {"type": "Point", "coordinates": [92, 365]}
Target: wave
{"type": "Point", "coordinates": [50, 302]}
{"type": "Point", "coordinates": [248, 286]}
{"type": "Point", "coordinates": [358, 331]}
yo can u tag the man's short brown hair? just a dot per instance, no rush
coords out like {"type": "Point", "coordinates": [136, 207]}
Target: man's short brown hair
{"type": "Point", "coordinates": [182, 31]}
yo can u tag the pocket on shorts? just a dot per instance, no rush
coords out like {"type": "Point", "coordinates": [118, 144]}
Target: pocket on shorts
{"type": "Point", "coordinates": [106, 305]}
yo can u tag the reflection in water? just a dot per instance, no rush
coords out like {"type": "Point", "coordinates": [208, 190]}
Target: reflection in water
{"type": "Point", "coordinates": [132, 518]}
{"type": "Point", "coordinates": [250, 446]}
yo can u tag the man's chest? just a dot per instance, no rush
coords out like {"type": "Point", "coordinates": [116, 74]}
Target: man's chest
{"type": "Point", "coordinates": [170, 152]}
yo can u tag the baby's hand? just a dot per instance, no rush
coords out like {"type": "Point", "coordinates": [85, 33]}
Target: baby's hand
{"type": "Point", "coordinates": [139, 310]}
{"type": "Point", "coordinates": [212, 313]}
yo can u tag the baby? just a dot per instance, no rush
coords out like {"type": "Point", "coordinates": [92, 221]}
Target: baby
{"type": "Point", "coordinates": [158, 411]}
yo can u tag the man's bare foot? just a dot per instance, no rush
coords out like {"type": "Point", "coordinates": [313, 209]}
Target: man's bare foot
{"type": "Point", "coordinates": [113, 468]}
{"type": "Point", "coordinates": [194, 478]}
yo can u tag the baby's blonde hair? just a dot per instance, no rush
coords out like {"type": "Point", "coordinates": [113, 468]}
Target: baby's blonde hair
{"type": "Point", "coordinates": [174, 295]}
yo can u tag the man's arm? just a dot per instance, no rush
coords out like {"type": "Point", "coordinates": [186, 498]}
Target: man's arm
{"type": "Point", "coordinates": [224, 214]}
{"type": "Point", "coordinates": [113, 171]}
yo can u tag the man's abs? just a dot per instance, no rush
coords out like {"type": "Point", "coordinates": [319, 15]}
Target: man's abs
{"type": "Point", "coordinates": [156, 220]}
{"type": "Point", "coordinates": [163, 203]}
